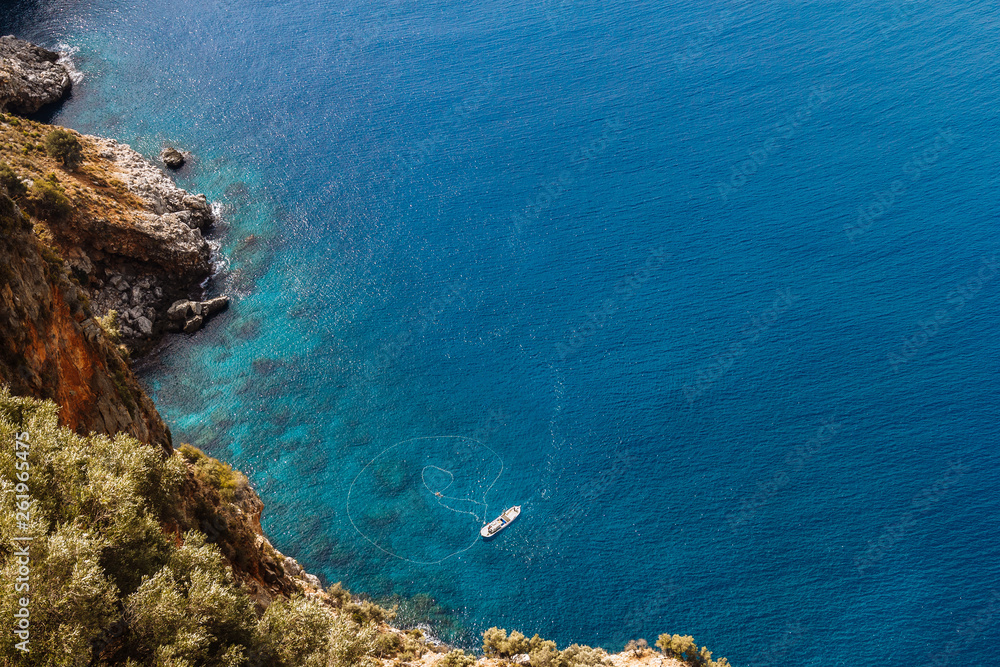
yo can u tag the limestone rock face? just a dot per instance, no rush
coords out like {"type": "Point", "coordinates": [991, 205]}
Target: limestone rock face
{"type": "Point", "coordinates": [152, 186]}
{"type": "Point", "coordinates": [30, 77]}
{"type": "Point", "coordinates": [145, 254]}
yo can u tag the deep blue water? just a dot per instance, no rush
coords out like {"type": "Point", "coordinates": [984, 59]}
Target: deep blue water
{"type": "Point", "coordinates": [709, 289]}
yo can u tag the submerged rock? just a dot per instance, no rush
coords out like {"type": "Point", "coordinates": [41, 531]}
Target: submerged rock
{"type": "Point", "coordinates": [172, 157]}
{"type": "Point", "coordinates": [30, 76]}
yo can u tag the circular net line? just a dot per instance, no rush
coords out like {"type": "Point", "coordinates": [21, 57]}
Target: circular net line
{"type": "Point", "coordinates": [438, 495]}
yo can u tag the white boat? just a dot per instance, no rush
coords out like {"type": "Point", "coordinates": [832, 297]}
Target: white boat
{"type": "Point", "coordinates": [501, 522]}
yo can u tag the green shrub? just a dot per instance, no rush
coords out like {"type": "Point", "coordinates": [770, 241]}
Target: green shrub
{"type": "Point", "coordinates": [338, 595]}
{"type": "Point", "coordinates": [49, 201]}
{"type": "Point", "coordinates": [9, 181]}
{"type": "Point", "coordinates": [388, 645]}
{"type": "Point", "coordinates": [51, 256]}
{"type": "Point", "coordinates": [457, 658]}
{"type": "Point", "coordinates": [111, 326]}
{"type": "Point", "coordinates": [65, 147]}
{"type": "Point", "coordinates": [352, 645]}
{"type": "Point", "coordinates": [367, 611]}
{"type": "Point", "coordinates": [497, 643]}
{"type": "Point", "coordinates": [684, 648]}
{"type": "Point", "coordinates": [543, 652]}
{"type": "Point", "coordinates": [11, 219]}
{"type": "Point", "coordinates": [191, 611]}
{"type": "Point", "coordinates": [220, 475]}
{"type": "Point", "coordinates": [576, 655]}
{"type": "Point", "coordinates": [292, 629]}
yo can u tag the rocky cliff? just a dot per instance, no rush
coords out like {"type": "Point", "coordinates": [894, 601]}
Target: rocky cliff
{"type": "Point", "coordinates": [110, 232]}
{"type": "Point", "coordinates": [52, 347]}
{"type": "Point", "coordinates": [30, 76]}
{"type": "Point", "coordinates": [130, 236]}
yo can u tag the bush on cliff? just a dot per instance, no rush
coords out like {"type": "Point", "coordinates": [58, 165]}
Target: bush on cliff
{"type": "Point", "coordinates": [10, 182]}
{"type": "Point", "coordinates": [637, 647]}
{"type": "Point", "coordinates": [11, 221]}
{"type": "Point", "coordinates": [111, 325]}
{"type": "Point", "coordinates": [541, 652]}
{"type": "Point", "coordinates": [48, 201]}
{"type": "Point", "coordinates": [220, 475]}
{"type": "Point", "coordinates": [190, 610]}
{"type": "Point", "coordinates": [457, 658]}
{"type": "Point", "coordinates": [65, 147]}
{"type": "Point", "coordinates": [684, 648]}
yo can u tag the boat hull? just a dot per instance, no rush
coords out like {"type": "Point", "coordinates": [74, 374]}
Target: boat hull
{"type": "Point", "coordinates": [495, 527]}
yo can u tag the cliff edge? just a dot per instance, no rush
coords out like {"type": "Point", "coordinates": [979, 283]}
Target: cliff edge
{"type": "Point", "coordinates": [131, 238]}
{"type": "Point", "coordinates": [51, 346]}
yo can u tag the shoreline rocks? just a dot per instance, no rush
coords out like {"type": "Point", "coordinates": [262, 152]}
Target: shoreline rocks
{"type": "Point", "coordinates": [158, 258]}
{"type": "Point", "coordinates": [160, 194]}
{"type": "Point", "coordinates": [172, 157]}
{"type": "Point", "coordinates": [30, 77]}
{"type": "Point", "coordinates": [189, 316]}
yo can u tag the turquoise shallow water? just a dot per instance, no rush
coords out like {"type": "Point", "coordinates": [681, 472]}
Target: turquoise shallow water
{"type": "Point", "coordinates": [710, 290]}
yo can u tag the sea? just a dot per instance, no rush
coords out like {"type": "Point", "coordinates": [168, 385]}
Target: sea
{"type": "Point", "coordinates": [710, 290]}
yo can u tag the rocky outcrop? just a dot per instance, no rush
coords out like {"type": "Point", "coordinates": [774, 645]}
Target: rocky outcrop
{"type": "Point", "coordinates": [172, 157]}
{"type": "Point", "coordinates": [141, 264]}
{"type": "Point", "coordinates": [177, 210]}
{"type": "Point", "coordinates": [133, 239]}
{"type": "Point", "coordinates": [189, 316]}
{"type": "Point", "coordinates": [30, 76]}
{"type": "Point", "coordinates": [52, 347]}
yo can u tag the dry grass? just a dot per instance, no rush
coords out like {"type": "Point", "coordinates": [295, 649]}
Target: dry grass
{"type": "Point", "coordinates": [93, 189]}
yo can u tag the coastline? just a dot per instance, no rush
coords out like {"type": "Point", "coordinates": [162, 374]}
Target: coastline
{"type": "Point", "coordinates": [131, 243]}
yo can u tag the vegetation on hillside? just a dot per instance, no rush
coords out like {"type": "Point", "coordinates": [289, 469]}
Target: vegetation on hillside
{"type": "Point", "coordinates": [11, 183]}
{"type": "Point", "coordinates": [543, 653]}
{"type": "Point", "coordinates": [684, 648]}
{"type": "Point", "coordinates": [47, 199]}
{"type": "Point", "coordinates": [65, 147]}
{"type": "Point", "coordinates": [219, 475]}
{"type": "Point", "coordinates": [65, 162]}
{"type": "Point", "coordinates": [109, 587]}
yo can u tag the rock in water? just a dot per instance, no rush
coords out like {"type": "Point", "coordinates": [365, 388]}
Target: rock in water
{"type": "Point", "coordinates": [172, 157]}
{"type": "Point", "coordinates": [30, 77]}
{"type": "Point", "coordinates": [189, 316]}
{"type": "Point", "coordinates": [182, 310]}
{"type": "Point", "coordinates": [213, 306]}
